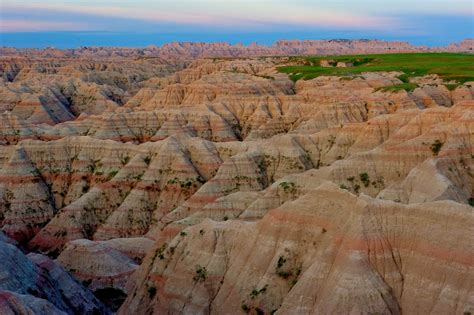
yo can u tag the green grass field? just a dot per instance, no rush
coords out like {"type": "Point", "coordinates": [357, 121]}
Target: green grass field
{"type": "Point", "coordinates": [449, 66]}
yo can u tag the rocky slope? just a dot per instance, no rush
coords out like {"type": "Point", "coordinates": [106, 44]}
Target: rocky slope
{"type": "Point", "coordinates": [221, 186]}
{"type": "Point", "coordinates": [35, 284]}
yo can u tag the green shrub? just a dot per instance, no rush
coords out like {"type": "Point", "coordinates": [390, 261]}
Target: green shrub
{"type": "Point", "coordinates": [151, 292]}
{"type": "Point", "coordinates": [471, 201]}
{"type": "Point", "coordinates": [436, 147]}
{"type": "Point", "coordinates": [112, 174]}
{"type": "Point", "coordinates": [281, 261]}
{"type": "Point", "coordinates": [284, 274]}
{"type": "Point", "coordinates": [365, 179]}
{"type": "Point", "coordinates": [288, 187]}
{"type": "Point", "coordinates": [356, 188]}
{"type": "Point", "coordinates": [342, 186]}
{"type": "Point", "coordinates": [201, 274]}
{"type": "Point", "coordinates": [124, 160]}
{"type": "Point", "coordinates": [256, 292]}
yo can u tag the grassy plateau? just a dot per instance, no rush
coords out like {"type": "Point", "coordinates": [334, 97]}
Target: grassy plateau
{"type": "Point", "coordinates": [449, 66]}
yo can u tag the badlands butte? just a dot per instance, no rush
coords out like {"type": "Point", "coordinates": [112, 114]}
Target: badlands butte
{"type": "Point", "coordinates": [216, 179]}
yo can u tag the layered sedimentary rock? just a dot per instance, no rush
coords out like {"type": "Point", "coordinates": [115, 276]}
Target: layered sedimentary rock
{"type": "Point", "coordinates": [35, 284]}
{"type": "Point", "coordinates": [189, 50]}
{"type": "Point", "coordinates": [218, 185]}
{"type": "Point", "coordinates": [326, 252]}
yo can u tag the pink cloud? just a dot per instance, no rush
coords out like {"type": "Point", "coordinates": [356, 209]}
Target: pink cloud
{"type": "Point", "coordinates": [32, 25]}
{"type": "Point", "coordinates": [274, 15]}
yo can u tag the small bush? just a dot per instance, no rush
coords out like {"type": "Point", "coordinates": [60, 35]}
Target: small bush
{"type": "Point", "coordinates": [151, 292]}
{"type": "Point", "coordinates": [436, 147]}
{"type": "Point", "coordinates": [124, 160]}
{"type": "Point", "coordinates": [471, 201]}
{"type": "Point", "coordinates": [112, 174]}
{"type": "Point", "coordinates": [91, 168]}
{"type": "Point", "coordinates": [342, 186]}
{"type": "Point", "coordinates": [256, 292]}
{"type": "Point", "coordinates": [365, 179]}
{"type": "Point", "coordinates": [85, 188]}
{"type": "Point", "coordinates": [201, 274]}
{"type": "Point", "coordinates": [245, 307]}
{"type": "Point", "coordinates": [288, 187]}
{"type": "Point", "coordinates": [357, 188]}
{"type": "Point", "coordinates": [284, 274]}
{"type": "Point", "coordinates": [281, 261]}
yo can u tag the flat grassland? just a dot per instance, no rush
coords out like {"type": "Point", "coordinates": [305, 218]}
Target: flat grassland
{"type": "Point", "coordinates": [449, 66]}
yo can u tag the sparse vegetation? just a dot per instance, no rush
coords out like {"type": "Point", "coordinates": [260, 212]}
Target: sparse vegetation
{"type": "Point", "coordinates": [151, 292]}
{"type": "Point", "coordinates": [85, 188]}
{"type": "Point", "coordinates": [287, 272]}
{"type": "Point", "coordinates": [281, 262]}
{"type": "Point", "coordinates": [201, 274]}
{"type": "Point", "coordinates": [124, 159]}
{"type": "Point", "coordinates": [398, 87]}
{"type": "Point", "coordinates": [342, 186]}
{"type": "Point", "coordinates": [160, 252]}
{"type": "Point", "coordinates": [185, 184]}
{"type": "Point", "coordinates": [147, 160]}
{"type": "Point", "coordinates": [365, 179]}
{"type": "Point", "coordinates": [112, 174]}
{"type": "Point", "coordinates": [470, 201]}
{"type": "Point", "coordinates": [92, 167]}
{"type": "Point", "coordinates": [356, 188]}
{"type": "Point", "coordinates": [288, 187]}
{"type": "Point", "coordinates": [284, 274]}
{"type": "Point", "coordinates": [436, 147]}
{"type": "Point", "coordinates": [255, 292]}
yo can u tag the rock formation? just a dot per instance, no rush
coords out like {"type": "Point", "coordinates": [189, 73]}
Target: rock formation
{"type": "Point", "coordinates": [158, 180]}
{"type": "Point", "coordinates": [35, 284]}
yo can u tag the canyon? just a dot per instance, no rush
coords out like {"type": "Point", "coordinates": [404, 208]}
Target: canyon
{"type": "Point", "coordinates": [199, 178]}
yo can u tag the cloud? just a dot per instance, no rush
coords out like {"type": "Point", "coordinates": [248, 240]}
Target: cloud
{"type": "Point", "coordinates": [231, 16]}
{"type": "Point", "coordinates": [20, 25]}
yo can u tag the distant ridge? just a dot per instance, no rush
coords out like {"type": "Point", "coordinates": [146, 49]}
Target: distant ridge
{"type": "Point", "coordinates": [191, 50]}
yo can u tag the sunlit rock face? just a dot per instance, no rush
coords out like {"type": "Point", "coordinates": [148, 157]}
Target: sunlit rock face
{"type": "Point", "coordinates": [168, 182]}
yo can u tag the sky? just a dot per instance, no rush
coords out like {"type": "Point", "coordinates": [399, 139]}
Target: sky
{"type": "Point", "coordinates": [69, 23]}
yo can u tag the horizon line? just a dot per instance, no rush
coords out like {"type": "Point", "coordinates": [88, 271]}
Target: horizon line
{"type": "Point", "coordinates": [217, 42]}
